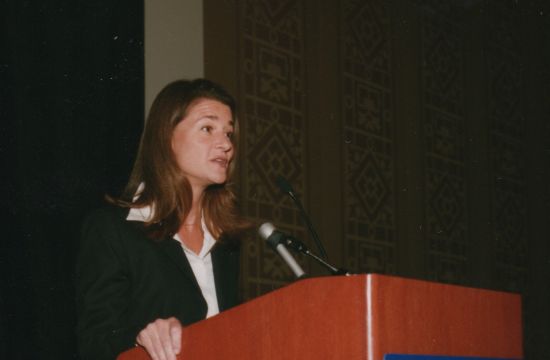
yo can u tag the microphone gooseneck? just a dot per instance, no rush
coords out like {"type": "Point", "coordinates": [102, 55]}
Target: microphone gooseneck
{"type": "Point", "coordinates": [299, 246]}
{"type": "Point", "coordinates": [277, 238]}
{"type": "Point", "coordinates": [285, 187]}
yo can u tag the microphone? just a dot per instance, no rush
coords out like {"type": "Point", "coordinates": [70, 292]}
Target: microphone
{"type": "Point", "coordinates": [275, 239]}
{"type": "Point", "coordinates": [285, 187]}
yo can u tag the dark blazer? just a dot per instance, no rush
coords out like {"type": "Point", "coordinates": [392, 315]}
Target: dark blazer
{"type": "Point", "coordinates": [126, 280]}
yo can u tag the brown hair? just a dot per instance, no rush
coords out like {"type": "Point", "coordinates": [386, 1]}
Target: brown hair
{"type": "Point", "coordinates": [167, 191]}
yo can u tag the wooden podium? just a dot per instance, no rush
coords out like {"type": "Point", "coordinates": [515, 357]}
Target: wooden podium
{"type": "Point", "coordinates": [359, 317]}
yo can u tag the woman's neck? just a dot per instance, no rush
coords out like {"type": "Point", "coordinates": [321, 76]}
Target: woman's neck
{"type": "Point", "coordinates": [195, 213]}
{"type": "Point", "coordinates": [190, 230]}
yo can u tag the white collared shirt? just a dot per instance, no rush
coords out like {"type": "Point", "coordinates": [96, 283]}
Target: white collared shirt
{"type": "Point", "coordinates": [201, 263]}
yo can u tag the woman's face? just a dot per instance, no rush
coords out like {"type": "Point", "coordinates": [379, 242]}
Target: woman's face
{"type": "Point", "coordinates": [202, 145]}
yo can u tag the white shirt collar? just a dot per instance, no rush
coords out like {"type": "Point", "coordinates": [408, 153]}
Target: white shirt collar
{"type": "Point", "coordinates": [143, 214]}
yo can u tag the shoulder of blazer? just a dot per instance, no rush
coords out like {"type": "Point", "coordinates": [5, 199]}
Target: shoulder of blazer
{"type": "Point", "coordinates": [107, 215]}
{"type": "Point", "coordinates": [107, 227]}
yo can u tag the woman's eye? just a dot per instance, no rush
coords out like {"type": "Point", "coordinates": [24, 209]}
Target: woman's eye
{"type": "Point", "coordinates": [206, 129]}
{"type": "Point", "coordinates": [229, 135]}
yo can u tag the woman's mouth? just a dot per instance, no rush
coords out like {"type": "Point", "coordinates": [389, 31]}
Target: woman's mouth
{"type": "Point", "coordinates": [221, 162]}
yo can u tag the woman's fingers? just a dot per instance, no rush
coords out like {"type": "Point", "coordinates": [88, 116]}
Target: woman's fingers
{"type": "Point", "coordinates": [161, 347]}
{"type": "Point", "coordinates": [175, 334]}
{"type": "Point", "coordinates": [144, 340]}
{"type": "Point", "coordinates": [161, 339]}
{"type": "Point", "coordinates": [149, 340]}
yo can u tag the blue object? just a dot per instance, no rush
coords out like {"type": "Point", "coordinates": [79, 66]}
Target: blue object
{"type": "Point", "coordinates": [436, 357]}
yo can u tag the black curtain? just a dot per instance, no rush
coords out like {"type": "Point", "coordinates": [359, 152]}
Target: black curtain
{"type": "Point", "coordinates": [71, 109]}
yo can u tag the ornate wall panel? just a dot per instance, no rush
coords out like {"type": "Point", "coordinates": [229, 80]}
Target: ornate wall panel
{"type": "Point", "coordinates": [423, 47]}
{"type": "Point", "coordinates": [507, 147]}
{"type": "Point", "coordinates": [444, 134]}
{"type": "Point", "coordinates": [272, 92]}
{"type": "Point", "coordinates": [369, 206]}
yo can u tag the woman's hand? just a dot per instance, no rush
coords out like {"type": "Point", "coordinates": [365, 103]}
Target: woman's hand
{"type": "Point", "coordinates": [161, 338]}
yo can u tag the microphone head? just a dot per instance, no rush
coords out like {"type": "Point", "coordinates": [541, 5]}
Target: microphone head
{"type": "Point", "coordinates": [265, 230]}
{"type": "Point", "coordinates": [284, 185]}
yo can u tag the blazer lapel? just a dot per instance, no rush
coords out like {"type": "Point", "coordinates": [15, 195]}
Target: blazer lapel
{"type": "Point", "coordinates": [225, 266]}
{"type": "Point", "coordinates": [172, 248]}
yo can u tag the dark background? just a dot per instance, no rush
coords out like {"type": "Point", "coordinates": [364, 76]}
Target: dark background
{"type": "Point", "coordinates": [71, 112]}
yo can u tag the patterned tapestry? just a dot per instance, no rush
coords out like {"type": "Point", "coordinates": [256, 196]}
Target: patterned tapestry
{"type": "Point", "coordinates": [443, 125]}
{"type": "Point", "coordinates": [506, 145]}
{"type": "Point", "coordinates": [272, 97]}
{"type": "Point", "coordinates": [368, 126]}
{"type": "Point", "coordinates": [468, 169]}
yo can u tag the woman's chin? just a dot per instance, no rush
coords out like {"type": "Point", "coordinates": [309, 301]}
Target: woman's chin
{"type": "Point", "coordinates": [218, 181]}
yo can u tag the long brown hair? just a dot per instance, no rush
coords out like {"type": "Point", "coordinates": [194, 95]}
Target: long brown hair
{"type": "Point", "coordinates": [166, 190]}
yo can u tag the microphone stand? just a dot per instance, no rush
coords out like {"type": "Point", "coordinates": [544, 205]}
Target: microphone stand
{"type": "Point", "coordinates": [285, 186]}
{"type": "Point", "coordinates": [299, 246]}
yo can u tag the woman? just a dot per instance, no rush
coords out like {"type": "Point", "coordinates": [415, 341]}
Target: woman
{"type": "Point", "coordinates": [165, 255]}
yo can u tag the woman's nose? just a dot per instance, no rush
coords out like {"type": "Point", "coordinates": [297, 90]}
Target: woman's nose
{"type": "Point", "coordinates": [224, 143]}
